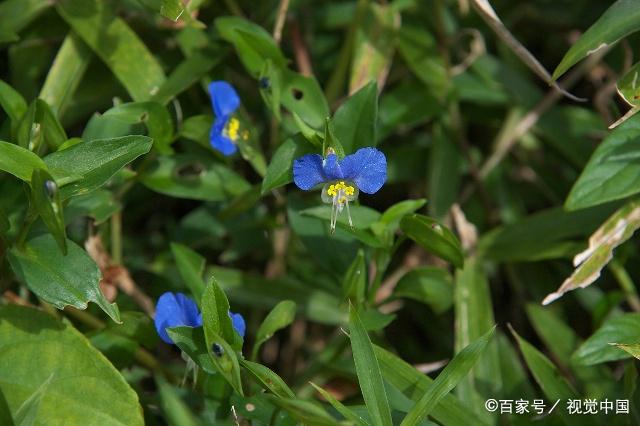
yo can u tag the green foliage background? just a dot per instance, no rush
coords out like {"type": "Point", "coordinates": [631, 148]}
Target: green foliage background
{"type": "Point", "coordinates": [448, 290]}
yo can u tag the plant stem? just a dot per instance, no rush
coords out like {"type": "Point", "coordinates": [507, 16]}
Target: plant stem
{"type": "Point", "coordinates": [116, 238]}
{"type": "Point", "coordinates": [626, 284]}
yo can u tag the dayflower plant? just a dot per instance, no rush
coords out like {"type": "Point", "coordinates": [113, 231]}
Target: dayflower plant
{"type": "Point", "coordinates": [226, 130]}
{"type": "Point", "coordinates": [177, 309]}
{"type": "Point", "coordinates": [365, 170]}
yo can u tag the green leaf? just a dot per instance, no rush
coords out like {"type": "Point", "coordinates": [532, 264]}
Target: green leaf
{"type": "Point", "coordinates": [191, 267]}
{"type": "Point", "coordinates": [303, 96]}
{"type": "Point", "coordinates": [355, 122]}
{"type": "Point", "coordinates": [613, 172]}
{"type": "Point", "coordinates": [613, 232]}
{"type": "Point", "coordinates": [368, 371]}
{"type": "Point", "coordinates": [95, 162]}
{"type": "Point", "coordinates": [374, 46]}
{"type": "Point", "coordinates": [557, 335]}
{"type": "Point", "coordinates": [186, 74]}
{"type": "Point", "coordinates": [193, 177]}
{"type": "Point", "coordinates": [433, 237]}
{"type": "Point", "coordinates": [445, 172]}
{"type": "Point", "coordinates": [448, 379]}
{"type": "Point", "coordinates": [191, 340]}
{"type": "Point", "coordinates": [17, 14]}
{"type": "Point", "coordinates": [62, 352]}
{"type": "Point", "coordinates": [629, 85]}
{"type": "Point", "coordinates": [622, 329]}
{"type": "Point", "coordinates": [99, 204]}
{"type": "Point", "coordinates": [305, 412]}
{"type": "Point", "coordinates": [28, 411]}
{"type": "Point", "coordinates": [620, 20]}
{"type": "Point", "coordinates": [390, 219]}
{"type": "Point", "coordinates": [546, 234]}
{"type": "Point", "coordinates": [215, 315]}
{"type": "Point", "coordinates": [176, 412]}
{"type": "Point", "coordinates": [330, 141]}
{"type": "Point", "coordinates": [429, 285]}
{"type": "Point", "coordinates": [279, 171]}
{"type": "Point", "coordinates": [225, 360]}
{"type": "Point", "coordinates": [632, 348]}
{"type": "Point", "coordinates": [414, 384]}
{"type": "Point", "coordinates": [65, 74]}
{"type": "Point", "coordinates": [61, 280]}
{"type": "Point", "coordinates": [253, 44]}
{"type": "Point", "coordinates": [354, 283]}
{"type": "Point", "coordinates": [19, 161]}
{"type": "Point", "coordinates": [553, 384]}
{"type": "Point", "coordinates": [116, 44]}
{"type": "Point", "coordinates": [280, 317]}
{"type": "Point", "coordinates": [172, 9]}
{"type": "Point", "coordinates": [340, 407]}
{"type": "Point", "coordinates": [11, 101]}
{"type": "Point", "coordinates": [29, 135]}
{"type": "Point", "coordinates": [473, 318]}
{"type": "Point", "coordinates": [153, 115]}
{"type": "Point", "coordinates": [268, 379]}
{"type": "Point", "coordinates": [45, 197]}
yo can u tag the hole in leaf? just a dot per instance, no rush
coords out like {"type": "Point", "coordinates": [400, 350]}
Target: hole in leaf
{"type": "Point", "coordinates": [297, 94]}
{"type": "Point", "coordinates": [264, 83]}
{"type": "Point", "coordinates": [217, 350]}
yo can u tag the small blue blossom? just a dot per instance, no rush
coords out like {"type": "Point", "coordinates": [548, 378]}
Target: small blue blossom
{"type": "Point", "coordinates": [238, 323]}
{"type": "Point", "coordinates": [177, 309]}
{"type": "Point", "coordinates": [225, 131]}
{"type": "Point", "coordinates": [174, 310]}
{"type": "Point", "coordinates": [365, 170]}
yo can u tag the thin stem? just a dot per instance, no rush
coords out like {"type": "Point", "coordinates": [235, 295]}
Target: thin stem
{"type": "Point", "coordinates": [282, 14]}
{"type": "Point", "coordinates": [626, 284]}
{"type": "Point", "coordinates": [116, 238]}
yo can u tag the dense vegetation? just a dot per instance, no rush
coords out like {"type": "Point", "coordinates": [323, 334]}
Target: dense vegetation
{"type": "Point", "coordinates": [310, 212]}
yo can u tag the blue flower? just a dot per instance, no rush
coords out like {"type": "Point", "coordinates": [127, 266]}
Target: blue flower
{"type": "Point", "coordinates": [174, 310]}
{"type": "Point", "coordinates": [365, 170]}
{"type": "Point", "coordinates": [177, 309]}
{"type": "Point", "coordinates": [238, 323]}
{"type": "Point", "coordinates": [226, 129]}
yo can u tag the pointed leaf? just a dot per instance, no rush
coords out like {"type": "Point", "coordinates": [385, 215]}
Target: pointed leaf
{"type": "Point", "coordinates": [368, 372]}
{"type": "Point", "coordinates": [61, 280]}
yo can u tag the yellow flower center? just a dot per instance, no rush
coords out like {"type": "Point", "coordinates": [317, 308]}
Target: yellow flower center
{"type": "Point", "coordinates": [232, 130]}
{"type": "Point", "coordinates": [347, 191]}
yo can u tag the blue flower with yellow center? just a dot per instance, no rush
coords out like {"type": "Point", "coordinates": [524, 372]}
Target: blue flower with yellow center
{"type": "Point", "coordinates": [177, 309]}
{"type": "Point", "coordinates": [365, 170]}
{"type": "Point", "coordinates": [226, 130]}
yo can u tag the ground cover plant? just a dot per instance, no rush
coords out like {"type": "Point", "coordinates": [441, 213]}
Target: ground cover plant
{"type": "Point", "coordinates": [309, 212]}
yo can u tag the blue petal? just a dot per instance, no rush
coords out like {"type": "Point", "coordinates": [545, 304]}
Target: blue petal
{"type": "Point", "coordinates": [220, 142]}
{"type": "Point", "coordinates": [307, 171]}
{"type": "Point", "coordinates": [238, 323]}
{"type": "Point", "coordinates": [367, 168]}
{"type": "Point", "coordinates": [224, 98]}
{"type": "Point", "coordinates": [173, 310]}
{"type": "Point", "coordinates": [332, 168]}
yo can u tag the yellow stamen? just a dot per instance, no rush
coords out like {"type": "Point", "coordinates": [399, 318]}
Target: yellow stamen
{"type": "Point", "coordinates": [334, 189]}
{"type": "Point", "coordinates": [232, 129]}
